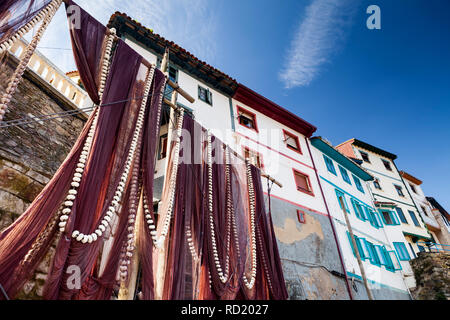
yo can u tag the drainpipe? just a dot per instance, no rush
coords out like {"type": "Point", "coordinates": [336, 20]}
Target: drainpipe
{"type": "Point", "coordinates": [349, 290]}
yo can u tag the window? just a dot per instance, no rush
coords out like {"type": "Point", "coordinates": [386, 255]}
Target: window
{"type": "Point", "coordinates": [303, 183]}
{"type": "Point", "coordinates": [341, 200]}
{"type": "Point", "coordinates": [247, 119]}
{"type": "Point", "coordinates": [402, 251]}
{"type": "Point", "coordinates": [376, 184]}
{"type": "Point", "coordinates": [162, 149]}
{"type": "Point", "coordinates": [390, 218]}
{"type": "Point", "coordinates": [330, 165]}
{"type": "Point", "coordinates": [373, 255]}
{"type": "Point", "coordinates": [413, 188]}
{"type": "Point", "coordinates": [358, 210]}
{"type": "Point", "coordinates": [385, 258]}
{"type": "Point", "coordinates": [205, 95]}
{"type": "Point", "coordinates": [387, 165]}
{"type": "Point", "coordinates": [364, 156]}
{"type": "Point", "coordinates": [401, 215]}
{"type": "Point", "coordinates": [301, 216]}
{"type": "Point", "coordinates": [412, 250]}
{"type": "Point", "coordinates": [414, 218]}
{"type": "Point", "coordinates": [424, 210]}
{"type": "Point", "coordinates": [358, 184]}
{"type": "Point", "coordinates": [399, 190]}
{"type": "Point", "coordinates": [374, 218]}
{"type": "Point", "coordinates": [254, 157]}
{"type": "Point", "coordinates": [344, 175]}
{"type": "Point", "coordinates": [292, 141]}
{"type": "Point", "coordinates": [361, 244]}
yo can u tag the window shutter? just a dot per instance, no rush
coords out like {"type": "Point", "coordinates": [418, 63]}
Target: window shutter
{"type": "Point", "coordinates": [209, 97]}
{"type": "Point", "coordinates": [301, 181]}
{"type": "Point", "coordinates": [394, 218]}
{"type": "Point", "coordinates": [395, 261]}
{"type": "Point", "coordinates": [351, 243]}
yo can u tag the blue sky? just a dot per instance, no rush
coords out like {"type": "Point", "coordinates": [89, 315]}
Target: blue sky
{"type": "Point", "coordinates": [388, 87]}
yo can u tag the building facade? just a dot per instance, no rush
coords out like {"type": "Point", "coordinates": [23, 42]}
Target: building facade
{"type": "Point", "coordinates": [392, 200]}
{"type": "Point", "coordinates": [347, 192]}
{"type": "Point", "coordinates": [439, 234]}
{"type": "Point", "coordinates": [272, 138]}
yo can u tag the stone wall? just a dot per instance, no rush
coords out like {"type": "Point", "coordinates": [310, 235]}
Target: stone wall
{"type": "Point", "coordinates": [30, 154]}
{"type": "Point", "coordinates": [432, 273]}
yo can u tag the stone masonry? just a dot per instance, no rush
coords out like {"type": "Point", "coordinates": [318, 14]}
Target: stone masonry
{"type": "Point", "coordinates": [432, 273]}
{"type": "Point", "coordinates": [30, 154]}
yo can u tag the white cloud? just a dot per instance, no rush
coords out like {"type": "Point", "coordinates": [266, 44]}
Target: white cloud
{"type": "Point", "coordinates": [190, 24]}
{"type": "Point", "coordinates": [319, 35]}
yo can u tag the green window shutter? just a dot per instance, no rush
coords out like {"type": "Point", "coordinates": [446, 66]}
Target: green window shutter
{"type": "Point", "coordinates": [395, 218]}
{"type": "Point", "coordinates": [389, 264]}
{"type": "Point", "coordinates": [395, 261]}
{"type": "Point", "coordinates": [340, 194]}
{"type": "Point", "coordinates": [365, 252]}
{"type": "Point", "coordinates": [378, 218]}
{"type": "Point", "coordinates": [351, 243]}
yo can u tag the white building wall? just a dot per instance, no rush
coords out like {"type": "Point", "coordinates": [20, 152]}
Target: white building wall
{"type": "Point", "coordinates": [388, 193]}
{"type": "Point", "coordinates": [330, 182]}
{"type": "Point", "coordinates": [279, 161]}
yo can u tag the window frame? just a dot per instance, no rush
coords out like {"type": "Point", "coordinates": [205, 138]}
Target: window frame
{"type": "Point", "coordinates": [239, 110]}
{"type": "Point", "coordinates": [376, 182]}
{"type": "Point", "coordinates": [342, 169]}
{"type": "Point", "coordinates": [387, 165]}
{"type": "Point", "coordinates": [287, 134]}
{"type": "Point", "coordinates": [362, 153]}
{"type": "Point", "coordinates": [359, 210]}
{"type": "Point", "coordinates": [301, 216]}
{"type": "Point", "coordinates": [258, 154]}
{"type": "Point", "coordinates": [208, 95]}
{"type": "Point", "coordinates": [392, 215]}
{"type": "Point", "coordinates": [399, 190]}
{"type": "Point", "coordinates": [339, 194]}
{"type": "Point", "coordinates": [308, 181]}
{"type": "Point", "coordinates": [161, 146]}
{"type": "Point", "coordinates": [402, 251]}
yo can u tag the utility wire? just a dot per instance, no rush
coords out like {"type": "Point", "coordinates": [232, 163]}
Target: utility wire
{"type": "Point", "coordinates": [28, 120]}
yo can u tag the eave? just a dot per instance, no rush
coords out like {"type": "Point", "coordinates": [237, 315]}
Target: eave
{"type": "Point", "coordinates": [127, 27]}
{"type": "Point", "coordinates": [369, 147]}
{"type": "Point", "coordinates": [344, 161]}
{"type": "Point", "coordinates": [272, 110]}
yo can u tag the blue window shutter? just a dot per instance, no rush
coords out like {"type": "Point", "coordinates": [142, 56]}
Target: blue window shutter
{"type": "Point", "coordinates": [402, 252]}
{"type": "Point", "coordinates": [401, 215]}
{"type": "Point", "coordinates": [354, 208]}
{"type": "Point", "coordinates": [378, 217]}
{"type": "Point", "coordinates": [395, 218]}
{"type": "Point", "coordinates": [394, 258]}
{"type": "Point", "coordinates": [389, 263]}
{"type": "Point", "coordinates": [351, 243]}
{"type": "Point", "coordinates": [340, 194]}
{"type": "Point", "coordinates": [329, 164]}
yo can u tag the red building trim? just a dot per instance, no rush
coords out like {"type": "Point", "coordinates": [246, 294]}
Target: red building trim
{"type": "Point", "coordinates": [271, 149]}
{"type": "Point", "coordinates": [295, 137]}
{"type": "Point", "coordinates": [272, 110]}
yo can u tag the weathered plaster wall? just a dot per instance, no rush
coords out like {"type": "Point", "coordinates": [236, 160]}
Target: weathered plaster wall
{"type": "Point", "coordinates": [308, 254]}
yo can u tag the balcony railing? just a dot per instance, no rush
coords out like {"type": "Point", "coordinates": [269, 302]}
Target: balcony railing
{"type": "Point", "coordinates": [434, 247]}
